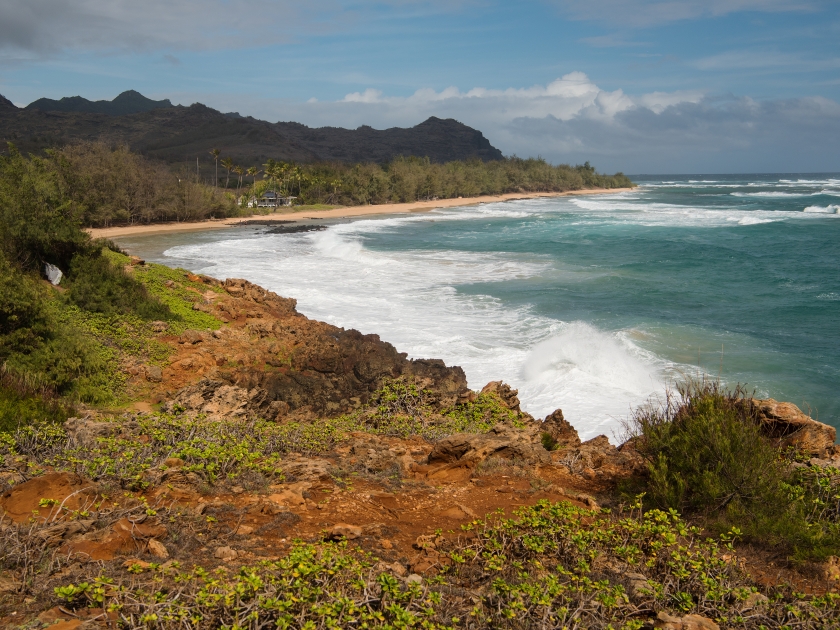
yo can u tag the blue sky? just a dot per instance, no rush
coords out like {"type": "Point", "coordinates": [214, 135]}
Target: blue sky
{"type": "Point", "coordinates": [632, 85]}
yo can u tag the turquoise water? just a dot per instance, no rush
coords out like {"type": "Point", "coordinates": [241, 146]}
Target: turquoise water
{"type": "Point", "coordinates": [592, 304]}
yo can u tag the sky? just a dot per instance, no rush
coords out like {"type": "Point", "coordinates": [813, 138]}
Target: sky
{"type": "Point", "coordinates": [639, 86]}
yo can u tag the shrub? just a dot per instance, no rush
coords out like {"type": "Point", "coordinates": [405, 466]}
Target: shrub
{"type": "Point", "coordinates": [23, 403]}
{"type": "Point", "coordinates": [38, 223]}
{"type": "Point", "coordinates": [98, 285]}
{"type": "Point", "coordinates": [707, 456]}
{"type": "Point", "coordinates": [706, 452]}
{"type": "Point", "coordinates": [24, 322]}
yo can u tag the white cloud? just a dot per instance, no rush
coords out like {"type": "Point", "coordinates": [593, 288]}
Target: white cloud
{"type": "Point", "coordinates": [368, 96]}
{"type": "Point", "coordinates": [572, 120]}
{"type": "Point", "coordinates": [570, 96]}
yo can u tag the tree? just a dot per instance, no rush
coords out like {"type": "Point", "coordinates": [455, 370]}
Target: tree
{"type": "Point", "coordinates": [228, 164]}
{"type": "Point", "coordinates": [215, 153]}
{"type": "Point", "coordinates": [239, 171]}
{"type": "Point", "coordinates": [253, 171]}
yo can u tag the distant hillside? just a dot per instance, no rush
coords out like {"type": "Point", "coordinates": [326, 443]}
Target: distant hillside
{"type": "Point", "coordinates": [440, 140]}
{"type": "Point", "coordinates": [129, 102]}
{"type": "Point", "coordinates": [178, 134]}
{"type": "Point", "coordinates": [6, 104]}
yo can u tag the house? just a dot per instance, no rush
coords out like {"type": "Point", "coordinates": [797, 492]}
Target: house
{"type": "Point", "coordinates": [270, 199]}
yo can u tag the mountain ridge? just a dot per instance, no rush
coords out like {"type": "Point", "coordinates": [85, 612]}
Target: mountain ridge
{"type": "Point", "coordinates": [178, 134]}
{"type": "Point", "coordinates": [128, 102]}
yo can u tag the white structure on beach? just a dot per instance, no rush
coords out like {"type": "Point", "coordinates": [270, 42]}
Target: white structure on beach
{"type": "Point", "coordinates": [270, 199]}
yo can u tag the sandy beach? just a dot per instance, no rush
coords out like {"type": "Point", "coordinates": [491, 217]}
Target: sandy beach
{"type": "Point", "coordinates": [337, 213]}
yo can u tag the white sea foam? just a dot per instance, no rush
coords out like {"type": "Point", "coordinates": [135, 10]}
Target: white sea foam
{"type": "Point", "coordinates": [832, 209]}
{"type": "Point", "coordinates": [773, 194]}
{"type": "Point", "coordinates": [750, 220]}
{"type": "Point", "coordinates": [410, 299]}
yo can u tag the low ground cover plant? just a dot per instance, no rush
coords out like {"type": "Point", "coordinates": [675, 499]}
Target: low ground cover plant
{"type": "Point", "coordinates": [551, 565]}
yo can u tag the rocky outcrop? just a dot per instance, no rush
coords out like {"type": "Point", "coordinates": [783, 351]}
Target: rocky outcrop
{"type": "Point", "coordinates": [220, 400]}
{"type": "Point", "coordinates": [467, 450]}
{"type": "Point", "coordinates": [785, 423]}
{"type": "Point", "coordinates": [273, 362]}
{"type": "Point", "coordinates": [563, 433]}
{"type": "Point", "coordinates": [508, 395]}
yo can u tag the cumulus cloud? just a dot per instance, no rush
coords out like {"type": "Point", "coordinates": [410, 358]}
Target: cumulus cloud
{"type": "Point", "coordinates": [573, 120]}
{"type": "Point", "coordinates": [571, 95]}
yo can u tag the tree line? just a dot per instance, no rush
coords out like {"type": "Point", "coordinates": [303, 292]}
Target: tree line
{"type": "Point", "coordinates": [409, 179]}
{"type": "Point", "coordinates": [111, 185]}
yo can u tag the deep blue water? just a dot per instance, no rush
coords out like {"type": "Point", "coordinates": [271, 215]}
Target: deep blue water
{"type": "Point", "coordinates": [592, 303]}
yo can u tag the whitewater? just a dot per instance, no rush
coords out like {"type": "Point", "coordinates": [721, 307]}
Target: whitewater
{"type": "Point", "coordinates": [590, 304]}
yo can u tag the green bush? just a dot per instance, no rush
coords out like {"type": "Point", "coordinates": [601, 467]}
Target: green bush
{"type": "Point", "coordinates": [707, 452]}
{"type": "Point", "coordinates": [24, 322]}
{"type": "Point", "coordinates": [22, 404]}
{"type": "Point", "coordinates": [707, 456]}
{"type": "Point", "coordinates": [40, 345]}
{"type": "Point", "coordinates": [38, 223]}
{"type": "Point", "coordinates": [99, 286]}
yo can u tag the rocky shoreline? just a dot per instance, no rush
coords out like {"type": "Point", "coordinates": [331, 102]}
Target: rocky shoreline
{"type": "Point", "coordinates": [345, 439]}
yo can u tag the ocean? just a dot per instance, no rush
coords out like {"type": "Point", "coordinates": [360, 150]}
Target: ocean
{"type": "Point", "coordinates": [593, 304]}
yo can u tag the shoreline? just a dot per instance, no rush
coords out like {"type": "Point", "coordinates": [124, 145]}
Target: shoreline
{"type": "Point", "coordinates": [337, 213]}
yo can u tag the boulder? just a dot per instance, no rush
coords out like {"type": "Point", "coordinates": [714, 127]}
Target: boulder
{"type": "Point", "coordinates": [785, 422]}
{"type": "Point", "coordinates": [225, 553]}
{"type": "Point", "coordinates": [470, 449]}
{"type": "Point", "coordinates": [341, 531]}
{"type": "Point", "coordinates": [157, 549]}
{"type": "Point", "coordinates": [599, 458]}
{"type": "Point", "coordinates": [218, 399]}
{"type": "Point", "coordinates": [154, 374]}
{"type": "Point", "coordinates": [688, 622]}
{"type": "Point", "coordinates": [305, 469]}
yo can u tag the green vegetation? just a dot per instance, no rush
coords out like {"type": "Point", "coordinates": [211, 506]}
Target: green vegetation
{"type": "Point", "coordinates": [227, 452]}
{"type": "Point", "coordinates": [551, 565]}
{"type": "Point", "coordinates": [112, 185]}
{"type": "Point", "coordinates": [400, 408]}
{"type": "Point", "coordinates": [62, 342]}
{"type": "Point", "coordinates": [96, 185]}
{"type": "Point", "coordinates": [98, 285]}
{"type": "Point", "coordinates": [707, 456]}
{"type": "Point", "coordinates": [22, 404]}
{"type": "Point", "coordinates": [417, 179]}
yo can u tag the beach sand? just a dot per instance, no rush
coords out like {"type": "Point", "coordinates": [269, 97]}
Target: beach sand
{"type": "Point", "coordinates": [337, 213]}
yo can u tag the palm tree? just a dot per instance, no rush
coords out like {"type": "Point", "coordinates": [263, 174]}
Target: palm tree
{"type": "Point", "coordinates": [239, 171]}
{"type": "Point", "coordinates": [215, 153]}
{"type": "Point", "coordinates": [253, 171]}
{"type": "Point", "coordinates": [228, 164]}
